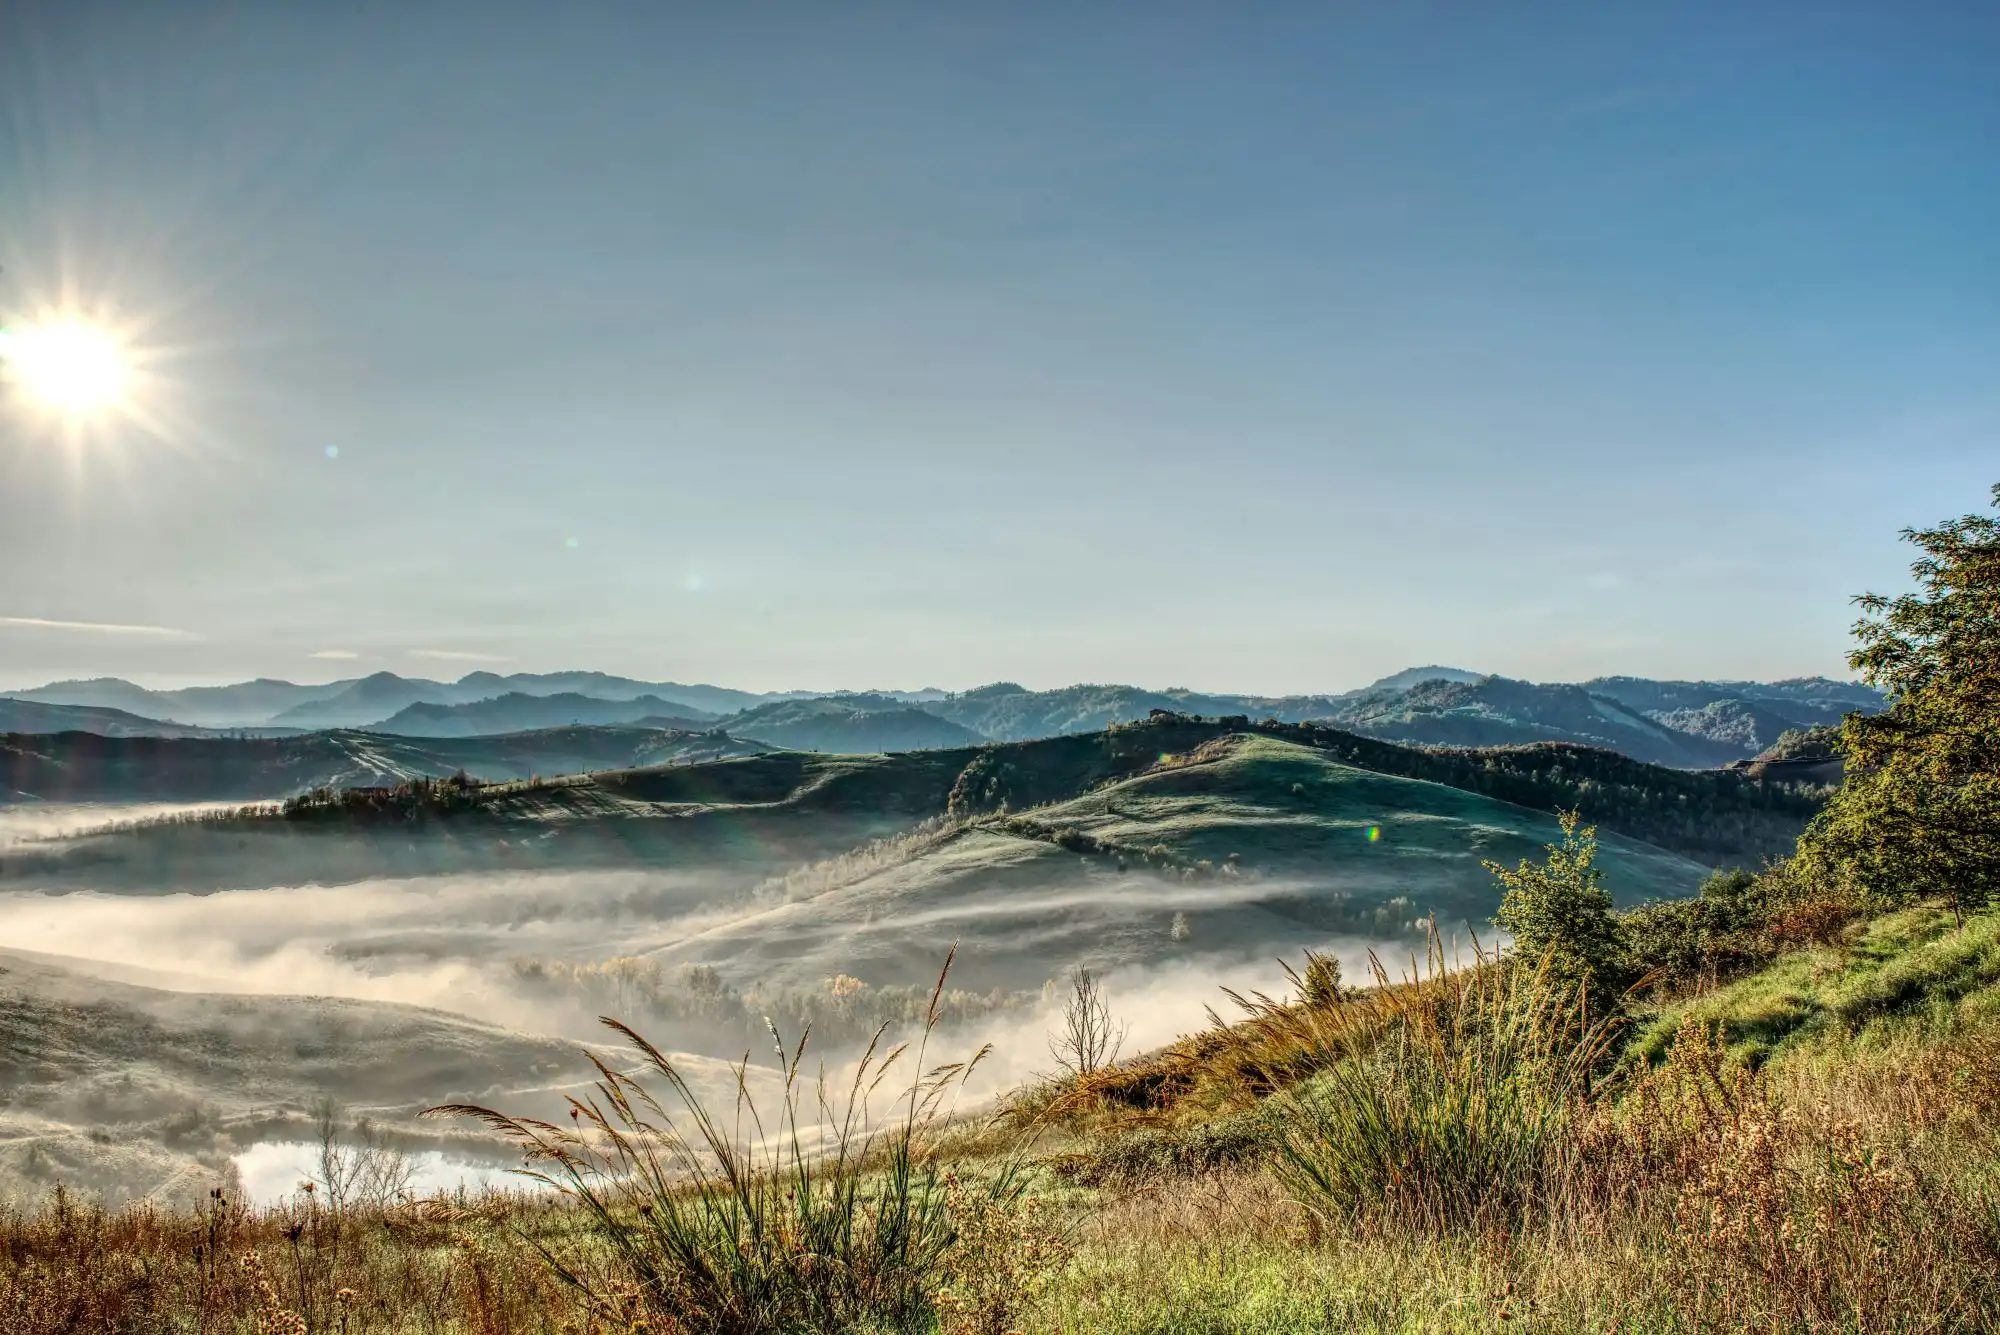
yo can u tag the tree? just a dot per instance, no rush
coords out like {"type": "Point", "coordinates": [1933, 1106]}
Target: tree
{"type": "Point", "coordinates": [1560, 915]}
{"type": "Point", "coordinates": [1320, 987]}
{"type": "Point", "coordinates": [1089, 1037]}
{"type": "Point", "coordinates": [1918, 814]}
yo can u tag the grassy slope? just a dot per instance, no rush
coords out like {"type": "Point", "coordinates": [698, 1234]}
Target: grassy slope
{"type": "Point", "coordinates": [1875, 1052]}
{"type": "Point", "coordinates": [1283, 827]}
{"type": "Point", "coordinates": [755, 815]}
{"type": "Point", "coordinates": [1904, 974]}
{"type": "Point", "coordinates": [30, 716]}
{"type": "Point", "coordinates": [1288, 809]}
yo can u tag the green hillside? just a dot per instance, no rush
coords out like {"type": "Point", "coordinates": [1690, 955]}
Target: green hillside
{"type": "Point", "coordinates": [752, 817]}
{"type": "Point", "coordinates": [1259, 845]}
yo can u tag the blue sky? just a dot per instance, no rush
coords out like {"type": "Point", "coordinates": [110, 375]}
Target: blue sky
{"type": "Point", "coordinates": [1181, 345]}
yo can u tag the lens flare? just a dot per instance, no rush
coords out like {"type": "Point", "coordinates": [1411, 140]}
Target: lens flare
{"type": "Point", "coordinates": [1373, 834]}
{"type": "Point", "coordinates": [70, 367]}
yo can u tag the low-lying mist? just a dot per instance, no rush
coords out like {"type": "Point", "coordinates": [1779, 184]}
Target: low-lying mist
{"type": "Point", "coordinates": [27, 822]}
{"type": "Point", "coordinates": [705, 964]}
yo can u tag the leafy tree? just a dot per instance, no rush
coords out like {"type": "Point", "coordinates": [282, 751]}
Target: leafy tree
{"type": "Point", "coordinates": [1560, 915]}
{"type": "Point", "coordinates": [1720, 932]}
{"type": "Point", "coordinates": [1320, 986]}
{"type": "Point", "coordinates": [1919, 812]}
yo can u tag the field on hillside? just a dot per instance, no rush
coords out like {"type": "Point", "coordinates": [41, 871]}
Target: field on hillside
{"type": "Point", "coordinates": [697, 900]}
{"type": "Point", "coordinates": [1810, 1148]}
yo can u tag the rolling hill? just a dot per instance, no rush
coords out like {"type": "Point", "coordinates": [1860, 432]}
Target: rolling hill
{"type": "Point", "coordinates": [1686, 724]}
{"type": "Point", "coordinates": [82, 767]}
{"type": "Point", "coordinates": [519, 712]}
{"type": "Point", "coordinates": [1163, 852]}
{"type": "Point", "coordinates": [1007, 712]}
{"type": "Point", "coordinates": [1254, 841]}
{"type": "Point", "coordinates": [189, 1077]}
{"type": "Point", "coordinates": [33, 716]}
{"type": "Point", "coordinates": [850, 725]}
{"type": "Point", "coordinates": [245, 704]}
{"type": "Point", "coordinates": [1495, 711]}
{"type": "Point", "coordinates": [357, 702]}
{"type": "Point", "coordinates": [756, 816]}
{"type": "Point", "coordinates": [1746, 716]}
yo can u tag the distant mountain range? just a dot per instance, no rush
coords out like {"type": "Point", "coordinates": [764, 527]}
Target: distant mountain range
{"type": "Point", "coordinates": [851, 723]}
{"type": "Point", "coordinates": [367, 700]}
{"type": "Point", "coordinates": [1685, 724]}
{"type": "Point", "coordinates": [517, 712]}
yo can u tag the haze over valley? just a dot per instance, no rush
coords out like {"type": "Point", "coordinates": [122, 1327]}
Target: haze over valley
{"type": "Point", "coordinates": [437, 907]}
{"type": "Point", "coordinates": [946, 670]}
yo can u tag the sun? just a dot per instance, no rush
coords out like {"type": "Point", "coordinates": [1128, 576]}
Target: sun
{"type": "Point", "coordinates": [70, 367]}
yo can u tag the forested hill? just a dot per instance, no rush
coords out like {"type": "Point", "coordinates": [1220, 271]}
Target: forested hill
{"type": "Point", "coordinates": [1713, 816]}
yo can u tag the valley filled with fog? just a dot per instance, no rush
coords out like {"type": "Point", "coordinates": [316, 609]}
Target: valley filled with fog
{"type": "Point", "coordinates": [189, 993]}
{"type": "Point", "coordinates": [208, 1025]}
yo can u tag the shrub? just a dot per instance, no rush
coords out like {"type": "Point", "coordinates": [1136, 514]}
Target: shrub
{"type": "Point", "coordinates": [1321, 983]}
{"type": "Point", "coordinates": [1088, 1037]}
{"type": "Point", "coordinates": [827, 1223]}
{"type": "Point", "coordinates": [1005, 1249]}
{"type": "Point", "coordinates": [1560, 916]}
{"type": "Point", "coordinates": [1457, 1114]}
{"type": "Point", "coordinates": [1719, 932]}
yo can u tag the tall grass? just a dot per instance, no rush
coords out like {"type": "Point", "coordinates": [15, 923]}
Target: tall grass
{"type": "Point", "coordinates": [1458, 1110]}
{"type": "Point", "coordinates": [830, 1219]}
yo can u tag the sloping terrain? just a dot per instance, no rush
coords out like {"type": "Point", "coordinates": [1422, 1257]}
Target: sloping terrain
{"type": "Point", "coordinates": [1246, 847]}
{"type": "Point", "coordinates": [1690, 725]}
{"type": "Point", "coordinates": [1496, 711]}
{"type": "Point", "coordinates": [1408, 677]}
{"type": "Point", "coordinates": [33, 716]}
{"type": "Point", "coordinates": [849, 725]}
{"type": "Point", "coordinates": [355, 702]}
{"type": "Point", "coordinates": [519, 712]}
{"type": "Point", "coordinates": [1741, 725]}
{"type": "Point", "coordinates": [125, 1089]}
{"type": "Point", "coordinates": [84, 767]}
{"type": "Point", "coordinates": [1807, 700]}
{"type": "Point", "coordinates": [1008, 712]}
{"type": "Point", "coordinates": [700, 896]}
{"type": "Point", "coordinates": [758, 812]}
{"type": "Point", "coordinates": [245, 704]}
{"type": "Point", "coordinates": [1748, 716]}
{"type": "Point", "coordinates": [377, 696]}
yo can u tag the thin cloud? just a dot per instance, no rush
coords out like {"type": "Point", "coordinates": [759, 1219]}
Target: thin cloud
{"type": "Point", "coordinates": [100, 628]}
{"type": "Point", "coordinates": [456, 656]}
{"type": "Point", "coordinates": [342, 654]}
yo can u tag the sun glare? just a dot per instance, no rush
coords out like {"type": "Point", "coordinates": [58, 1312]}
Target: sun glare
{"type": "Point", "coordinates": [75, 369]}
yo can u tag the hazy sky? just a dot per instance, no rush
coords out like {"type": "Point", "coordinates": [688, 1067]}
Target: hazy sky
{"type": "Point", "coordinates": [1239, 347]}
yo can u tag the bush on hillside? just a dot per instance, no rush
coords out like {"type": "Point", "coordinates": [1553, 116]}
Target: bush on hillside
{"type": "Point", "coordinates": [1821, 742]}
{"type": "Point", "coordinates": [1560, 916]}
{"type": "Point", "coordinates": [1456, 1115]}
{"type": "Point", "coordinates": [814, 1216]}
{"type": "Point", "coordinates": [1722, 931]}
